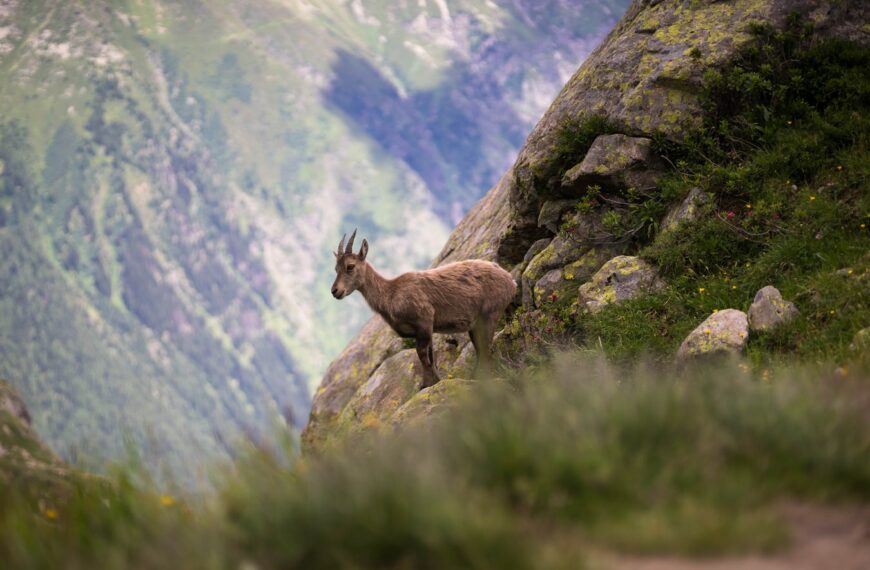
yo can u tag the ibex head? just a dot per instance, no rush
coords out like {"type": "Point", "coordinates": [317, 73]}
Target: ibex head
{"type": "Point", "coordinates": [349, 267]}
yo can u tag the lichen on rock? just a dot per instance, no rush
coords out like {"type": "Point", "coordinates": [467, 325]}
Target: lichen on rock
{"type": "Point", "coordinates": [769, 309]}
{"type": "Point", "coordinates": [623, 277]}
{"type": "Point", "coordinates": [723, 332]}
{"type": "Point", "coordinates": [615, 162]}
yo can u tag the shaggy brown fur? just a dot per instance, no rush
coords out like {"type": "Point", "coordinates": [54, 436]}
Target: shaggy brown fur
{"type": "Point", "coordinates": [466, 296]}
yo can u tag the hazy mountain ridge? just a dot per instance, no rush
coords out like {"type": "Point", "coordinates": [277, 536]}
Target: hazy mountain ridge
{"type": "Point", "coordinates": [174, 177]}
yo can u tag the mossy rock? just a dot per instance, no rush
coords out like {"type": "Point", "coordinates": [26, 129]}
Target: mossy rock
{"type": "Point", "coordinates": [346, 374]}
{"type": "Point", "coordinates": [615, 162]}
{"type": "Point", "coordinates": [623, 277]}
{"type": "Point", "coordinates": [769, 310]}
{"type": "Point", "coordinates": [432, 401]}
{"type": "Point", "coordinates": [723, 332]}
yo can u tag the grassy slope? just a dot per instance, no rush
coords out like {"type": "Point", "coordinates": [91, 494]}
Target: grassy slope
{"type": "Point", "coordinates": [784, 155]}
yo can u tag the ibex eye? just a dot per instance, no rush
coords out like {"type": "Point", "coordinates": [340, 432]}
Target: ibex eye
{"type": "Point", "coordinates": [350, 268]}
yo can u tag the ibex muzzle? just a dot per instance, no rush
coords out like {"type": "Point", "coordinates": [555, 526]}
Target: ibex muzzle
{"type": "Point", "coordinates": [466, 296]}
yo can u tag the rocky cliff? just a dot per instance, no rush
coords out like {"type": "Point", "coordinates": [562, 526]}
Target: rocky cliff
{"type": "Point", "coordinates": [557, 216]}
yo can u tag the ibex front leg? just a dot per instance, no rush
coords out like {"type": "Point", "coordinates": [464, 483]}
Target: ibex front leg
{"type": "Point", "coordinates": [427, 359]}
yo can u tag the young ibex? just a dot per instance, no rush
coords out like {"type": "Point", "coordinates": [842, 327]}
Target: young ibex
{"type": "Point", "coordinates": [466, 296]}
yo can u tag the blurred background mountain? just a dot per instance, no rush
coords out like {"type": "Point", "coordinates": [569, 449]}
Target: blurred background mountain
{"type": "Point", "coordinates": [174, 176]}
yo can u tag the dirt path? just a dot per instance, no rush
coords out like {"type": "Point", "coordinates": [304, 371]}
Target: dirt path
{"type": "Point", "coordinates": [824, 538]}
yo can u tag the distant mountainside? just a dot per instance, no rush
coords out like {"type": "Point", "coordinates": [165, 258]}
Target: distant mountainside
{"type": "Point", "coordinates": [173, 177]}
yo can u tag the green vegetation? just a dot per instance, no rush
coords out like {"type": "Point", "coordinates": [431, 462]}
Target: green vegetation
{"type": "Point", "coordinates": [584, 452]}
{"type": "Point", "coordinates": [785, 154]}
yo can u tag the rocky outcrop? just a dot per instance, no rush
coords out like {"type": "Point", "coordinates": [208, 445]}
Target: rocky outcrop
{"type": "Point", "coordinates": [615, 162]}
{"type": "Point", "coordinates": [769, 310]}
{"type": "Point", "coordinates": [642, 80]}
{"type": "Point", "coordinates": [723, 332]}
{"type": "Point", "coordinates": [622, 278]}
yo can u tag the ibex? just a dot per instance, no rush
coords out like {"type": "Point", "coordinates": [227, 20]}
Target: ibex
{"type": "Point", "coordinates": [466, 296]}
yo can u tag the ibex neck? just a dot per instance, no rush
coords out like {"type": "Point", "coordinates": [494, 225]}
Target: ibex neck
{"type": "Point", "coordinates": [375, 289]}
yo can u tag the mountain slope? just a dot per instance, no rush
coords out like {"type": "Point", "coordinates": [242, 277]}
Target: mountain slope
{"type": "Point", "coordinates": [173, 177]}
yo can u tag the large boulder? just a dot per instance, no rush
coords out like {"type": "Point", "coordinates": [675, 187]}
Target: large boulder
{"type": "Point", "coordinates": [395, 381]}
{"type": "Point", "coordinates": [615, 162]}
{"type": "Point", "coordinates": [769, 309]}
{"type": "Point", "coordinates": [623, 277]}
{"type": "Point", "coordinates": [723, 332]}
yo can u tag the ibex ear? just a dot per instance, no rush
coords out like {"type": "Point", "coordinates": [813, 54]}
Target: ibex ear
{"type": "Point", "coordinates": [364, 250]}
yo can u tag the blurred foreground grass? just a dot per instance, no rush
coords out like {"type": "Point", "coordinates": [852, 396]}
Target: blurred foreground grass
{"type": "Point", "coordinates": [641, 459]}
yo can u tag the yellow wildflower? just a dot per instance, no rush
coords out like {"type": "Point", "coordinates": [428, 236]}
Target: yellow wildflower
{"type": "Point", "coordinates": [812, 198]}
{"type": "Point", "coordinates": [167, 500]}
{"type": "Point", "coordinates": [748, 206]}
{"type": "Point", "coordinates": [734, 286]}
{"type": "Point", "coordinates": [839, 167]}
{"type": "Point", "coordinates": [50, 514]}
{"type": "Point", "coordinates": [701, 289]}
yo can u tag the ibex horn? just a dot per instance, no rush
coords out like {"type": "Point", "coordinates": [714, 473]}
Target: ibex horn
{"type": "Point", "coordinates": [341, 244]}
{"type": "Point", "coordinates": [349, 248]}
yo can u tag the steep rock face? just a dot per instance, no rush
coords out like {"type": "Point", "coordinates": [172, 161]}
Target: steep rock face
{"type": "Point", "coordinates": [643, 79]}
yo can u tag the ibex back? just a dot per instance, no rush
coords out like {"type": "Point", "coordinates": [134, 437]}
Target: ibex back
{"type": "Point", "coordinates": [466, 296]}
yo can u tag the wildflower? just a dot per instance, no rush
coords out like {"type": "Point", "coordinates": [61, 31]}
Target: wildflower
{"type": "Point", "coordinates": [701, 289]}
{"type": "Point", "coordinates": [788, 122]}
{"type": "Point", "coordinates": [863, 226]}
{"type": "Point", "coordinates": [707, 331]}
{"type": "Point", "coordinates": [833, 312]}
{"type": "Point", "coordinates": [839, 167]}
{"type": "Point", "coordinates": [812, 198]}
{"type": "Point", "coordinates": [50, 514]}
{"type": "Point", "coordinates": [167, 500]}
{"type": "Point", "coordinates": [748, 206]}
{"type": "Point", "coordinates": [734, 286]}
{"type": "Point", "coordinates": [715, 311]}
{"type": "Point", "coordinates": [841, 371]}
{"type": "Point", "coordinates": [730, 215]}
{"type": "Point", "coordinates": [450, 376]}
{"type": "Point", "coordinates": [765, 375]}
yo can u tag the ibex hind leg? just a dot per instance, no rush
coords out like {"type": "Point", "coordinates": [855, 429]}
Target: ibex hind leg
{"type": "Point", "coordinates": [427, 359]}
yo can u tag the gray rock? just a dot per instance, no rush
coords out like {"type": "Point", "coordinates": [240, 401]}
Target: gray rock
{"type": "Point", "coordinates": [686, 211]}
{"type": "Point", "coordinates": [551, 213]}
{"type": "Point", "coordinates": [615, 162]}
{"type": "Point", "coordinates": [722, 332]}
{"type": "Point", "coordinates": [536, 248]}
{"type": "Point", "coordinates": [623, 277]}
{"type": "Point", "coordinates": [561, 283]}
{"type": "Point", "coordinates": [574, 258]}
{"type": "Point", "coordinates": [769, 309]}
